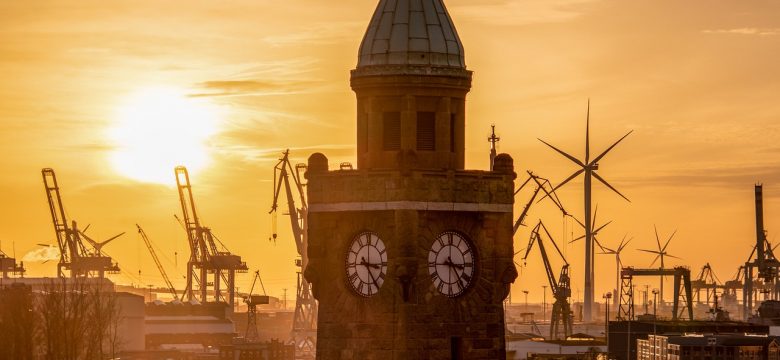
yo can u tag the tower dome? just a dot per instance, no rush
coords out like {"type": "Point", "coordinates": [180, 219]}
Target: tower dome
{"type": "Point", "coordinates": [411, 32]}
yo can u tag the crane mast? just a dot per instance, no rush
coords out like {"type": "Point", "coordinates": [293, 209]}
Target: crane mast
{"type": "Point", "coordinates": [75, 257]}
{"type": "Point", "coordinates": [561, 317]}
{"type": "Point", "coordinates": [205, 258]}
{"type": "Point", "coordinates": [148, 243]}
{"type": "Point", "coordinates": [304, 329]}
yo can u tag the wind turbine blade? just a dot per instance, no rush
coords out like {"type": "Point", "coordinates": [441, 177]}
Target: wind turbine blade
{"type": "Point", "coordinates": [601, 227]}
{"type": "Point", "coordinates": [670, 239]}
{"type": "Point", "coordinates": [657, 239]}
{"type": "Point", "coordinates": [587, 134]}
{"type": "Point", "coordinates": [656, 259]}
{"type": "Point", "coordinates": [595, 214]}
{"type": "Point", "coordinates": [649, 251]}
{"type": "Point", "coordinates": [623, 245]}
{"type": "Point", "coordinates": [596, 175]}
{"type": "Point", "coordinates": [576, 173]}
{"type": "Point", "coordinates": [552, 192]}
{"type": "Point", "coordinates": [577, 239]}
{"type": "Point", "coordinates": [596, 160]}
{"type": "Point", "coordinates": [673, 257]}
{"type": "Point", "coordinates": [44, 245]}
{"type": "Point", "coordinates": [115, 236]}
{"type": "Point", "coordinates": [86, 228]}
{"type": "Point", "coordinates": [578, 221]}
{"type": "Point", "coordinates": [572, 158]}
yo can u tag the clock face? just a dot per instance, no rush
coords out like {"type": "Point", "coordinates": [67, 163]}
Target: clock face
{"type": "Point", "coordinates": [366, 264]}
{"type": "Point", "coordinates": [451, 263]}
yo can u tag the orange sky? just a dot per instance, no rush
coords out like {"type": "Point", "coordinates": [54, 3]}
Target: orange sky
{"type": "Point", "coordinates": [697, 81]}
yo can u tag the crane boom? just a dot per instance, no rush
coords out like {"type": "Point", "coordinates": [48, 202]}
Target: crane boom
{"type": "Point", "coordinates": [167, 280]}
{"type": "Point", "coordinates": [305, 316]}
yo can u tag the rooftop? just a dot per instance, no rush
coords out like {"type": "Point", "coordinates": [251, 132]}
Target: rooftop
{"type": "Point", "coordinates": [411, 32]}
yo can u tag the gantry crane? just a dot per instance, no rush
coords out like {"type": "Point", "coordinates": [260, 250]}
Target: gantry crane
{"type": "Point", "coordinates": [304, 331]}
{"type": "Point", "coordinates": [75, 257]}
{"type": "Point", "coordinates": [205, 258]}
{"type": "Point", "coordinates": [561, 317]}
{"type": "Point", "coordinates": [252, 301]}
{"type": "Point", "coordinates": [707, 281]}
{"type": "Point", "coordinates": [157, 262]}
{"type": "Point", "coordinates": [682, 307]}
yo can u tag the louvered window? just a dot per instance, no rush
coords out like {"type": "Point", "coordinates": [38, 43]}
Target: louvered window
{"type": "Point", "coordinates": [426, 131]}
{"type": "Point", "coordinates": [391, 131]}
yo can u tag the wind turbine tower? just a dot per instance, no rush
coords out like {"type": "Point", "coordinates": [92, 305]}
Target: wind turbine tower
{"type": "Point", "coordinates": [588, 167]}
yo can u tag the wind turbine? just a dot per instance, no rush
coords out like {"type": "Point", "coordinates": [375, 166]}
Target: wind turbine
{"type": "Point", "coordinates": [619, 264]}
{"type": "Point", "coordinates": [98, 245]}
{"type": "Point", "coordinates": [588, 167]}
{"type": "Point", "coordinates": [661, 254]}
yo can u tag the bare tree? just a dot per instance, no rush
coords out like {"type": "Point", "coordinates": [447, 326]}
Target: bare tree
{"type": "Point", "coordinates": [17, 323]}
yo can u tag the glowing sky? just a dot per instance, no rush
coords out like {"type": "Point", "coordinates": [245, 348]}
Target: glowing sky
{"type": "Point", "coordinates": [697, 81]}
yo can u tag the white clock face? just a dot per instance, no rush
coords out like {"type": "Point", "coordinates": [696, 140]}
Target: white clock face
{"type": "Point", "coordinates": [366, 264]}
{"type": "Point", "coordinates": [451, 263]}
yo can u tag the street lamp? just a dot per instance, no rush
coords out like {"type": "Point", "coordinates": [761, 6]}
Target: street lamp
{"type": "Point", "coordinates": [544, 302]}
{"type": "Point", "coordinates": [526, 300]}
{"type": "Point", "coordinates": [655, 308]}
{"type": "Point", "coordinates": [606, 297]}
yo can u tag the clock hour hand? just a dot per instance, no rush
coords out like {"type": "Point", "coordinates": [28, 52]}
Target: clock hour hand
{"type": "Point", "coordinates": [367, 264]}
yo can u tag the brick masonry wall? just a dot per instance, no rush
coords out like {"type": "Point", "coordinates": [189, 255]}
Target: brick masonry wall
{"type": "Point", "coordinates": [420, 325]}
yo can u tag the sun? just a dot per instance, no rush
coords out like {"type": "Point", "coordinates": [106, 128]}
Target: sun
{"type": "Point", "coordinates": [157, 129]}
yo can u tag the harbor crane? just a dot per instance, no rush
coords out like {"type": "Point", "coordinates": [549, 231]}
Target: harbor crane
{"type": "Point", "coordinates": [561, 317]}
{"type": "Point", "coordinates": [75, 256]}
{"type": "Point", "coordinates": [682, 307]}
{"type": "Point", "coordinates": [252, 301]}
{"type": "Point", "coordinates": [763, 269]}
{"type": "Point", "coordinates": [707, 281]}
{"type": "Point", "coordinates": [157, 262]}
{"type": "Point", "coordinates": [205, 257]}
{"type": "Point", "coordinates": [304, 331]}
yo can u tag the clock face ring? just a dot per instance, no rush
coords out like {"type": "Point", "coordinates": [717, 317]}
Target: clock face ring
{"type": "Point", "coordinates": [366, 264]}
{"type": "Point", "coordinates": [451, 263]}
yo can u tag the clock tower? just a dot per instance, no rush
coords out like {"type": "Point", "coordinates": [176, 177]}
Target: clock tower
{"type": "Point", "coordinates": [410, 255]}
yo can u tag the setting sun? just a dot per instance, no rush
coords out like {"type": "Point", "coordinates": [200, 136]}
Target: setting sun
{"type": "Point", "coordinates": [158, 128]}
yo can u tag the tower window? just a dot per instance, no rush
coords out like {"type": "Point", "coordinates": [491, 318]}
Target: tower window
{"type": "Point", "coordinates": [452, 132]}
{"type": "Point", "coordinates": [391, 131]}
{"type": "Point", "coordinates": [426, 130]}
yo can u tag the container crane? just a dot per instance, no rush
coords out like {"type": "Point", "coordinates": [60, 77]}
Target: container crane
{"type": "Point", "coordinates": [304, 331]}
{"type": "Point", "coordinates": [75, 257]}
{"type": "Point", "coordinates": [167, 280]}
{"type": "Point", "coordinates": [561, 317]}
{"type": "Point", "coordinates": [205, 258]}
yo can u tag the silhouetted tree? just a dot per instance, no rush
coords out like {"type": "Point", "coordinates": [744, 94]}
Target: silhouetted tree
{"type": "Point", "coordinates": [17, 322]}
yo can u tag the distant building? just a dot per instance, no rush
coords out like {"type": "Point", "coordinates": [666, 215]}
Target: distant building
{"type": "Point", "coordinates": [623, 335]}
{"type": "Point", "coordinates": [186, 326]}
{"type": "Point", "coordinates": [272, 350]}
{"type": "Point", "coordinates": [711, 347]}
{"type": "Point", "coordinates": [577, 346]}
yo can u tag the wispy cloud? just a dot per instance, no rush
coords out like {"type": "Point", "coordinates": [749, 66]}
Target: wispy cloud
{"type": "Point", "coordinates": [745, 31]}
{"type": "Point", "coordinates": [43, 254]}
{"type": "Point", "coordinates": [513, 13]}
{"type": "Point", "coordinates": [254, 154]}
{"type": "Point", "coordinates": [250, 88]}
{"type": "Point", "coordinates": [318, 34]}
{"type": "Point", "coordinates": [726, 176]}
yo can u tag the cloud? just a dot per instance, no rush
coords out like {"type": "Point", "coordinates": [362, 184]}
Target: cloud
{"type": "Point", "coordinates": [513, 13]}
{"type": "Point", "coordinates": [719, 176]}
{"type": "Point", "coordinates": [249, 88]}
{"type": "Point", "coordinates": [44, 254]}
{"type": "Point", "coordinates": [254, 154]}
{"type": "Point", "coordinates": [318, 34]}
{"type": "Point", "coordinates": [745, 31]}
